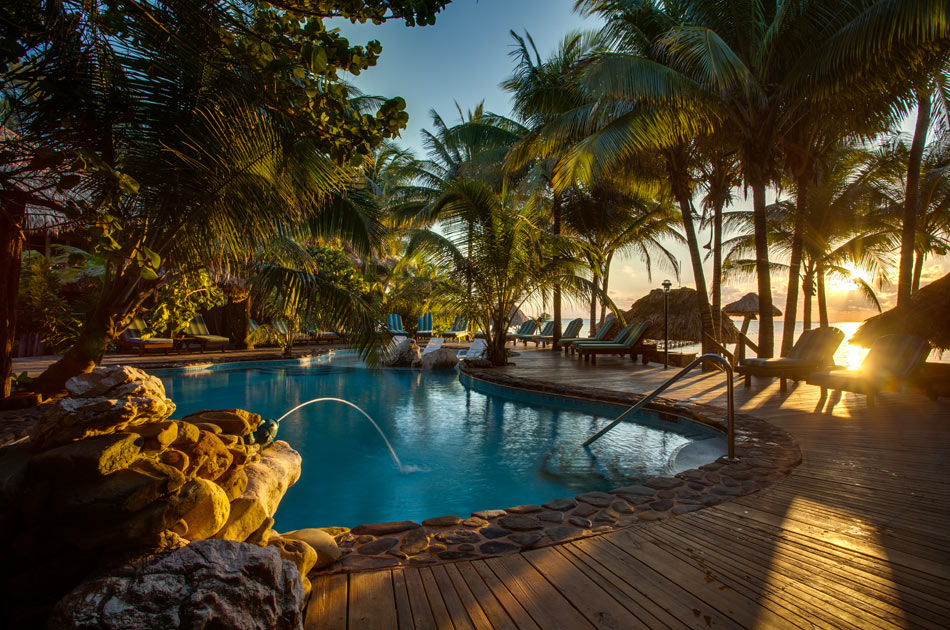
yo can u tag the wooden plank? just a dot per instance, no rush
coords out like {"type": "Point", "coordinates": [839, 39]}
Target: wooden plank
{"type": "Point", "coordinates": [453, 602]}
{"type": "Point", "coordinates": [327, 607]}
{"type": "Point", "coordinates": [421, 612]}
{"type": "Point", "coordinates": [600, 608]}
{"type": "Point", "coordinates": [489, 604]}
{"type": "Point", "coordinates": [475, 612]}
{"type": "Point", "coordinates": [505, 597]}
{"type": "Point", "coordinates": [403, 607]}
{"type": "Point", "coordinates": [436, 604]}
{"type": "Point", "coordinates": [372, 604]}
{"type": "Point", "coordinates": [546, 606]}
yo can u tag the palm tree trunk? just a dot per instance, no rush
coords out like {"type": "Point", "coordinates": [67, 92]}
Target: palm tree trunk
{"type": "Point", "coordinates": [911, 196]}
{"type": "Point", "coordinates": [795, 265]}
{"type": "Point", "coordinates": [497, 340]}
{"type": "Point", "coordinates": [822, 299]}
{"type": "Point", "coordinates": [762, 271]}
{"type": "Point", "coordinates": [809, 294]}
{"type": "Point", "coordinates": [678, 181]}
{"type": "Point", "coordinates": [556, 307]}
{"type": "Point", "coordinates": [595, 280]}
{"type": "Point", "coordinates": [717, 268]}
{"type": "Point", "coordinates": [11, 247]}
{"type": "Point", "coordinates": [918, 269]}
{"type": "Point", "coordinates": [604, 285]}
{"type": "Point", "coordinates": [98, 331]}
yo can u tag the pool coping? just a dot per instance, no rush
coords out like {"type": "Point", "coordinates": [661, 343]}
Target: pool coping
{"type": "Point", "coordinates": [766, 455]}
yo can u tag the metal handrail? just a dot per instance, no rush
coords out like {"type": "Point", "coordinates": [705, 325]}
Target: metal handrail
{"type": "Point", "coordinates": [727, 368]}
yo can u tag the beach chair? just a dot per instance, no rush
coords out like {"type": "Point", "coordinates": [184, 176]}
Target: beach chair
{"type": "Point", "coordinates": [459, 328]}
{"type": "Point", "coordinates": [546, 331]}
{"type": "Point", "coordinates": [619, 337]}
{"type": "Point", "coordinates": [424, 325]}
{"type": "Point", "coordinates": [476, 350]}
{"type": "Point", "coordinates": [573, 327]}
{"type": "Point", "coordinates": [600, 335]}
{"type": "Point", "coordinates": [394, 325]}
{"type": "Point", "coordinates": [435, 343]}
{"type": "Point", "coordinates": [329, 336]}
{"type": "Point", "coordinates": [814, 350]}
{"type": "Point", "coordinates": [892, 362]}
{"type": "Point", "coordinates": [630, 344]}
{"type": "Point", "coordinates": [197, 333]}
{"type": "Point", "coordinates": [131, 339]}
{"type": "Point", "coordinates": [526, 330]}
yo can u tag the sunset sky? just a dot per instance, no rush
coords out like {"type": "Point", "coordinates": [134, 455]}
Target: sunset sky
{"type": "Point", "coordinates": [464, 58]}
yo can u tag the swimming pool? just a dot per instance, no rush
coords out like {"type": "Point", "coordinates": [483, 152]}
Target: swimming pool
{"type": "Point", "coordinates": [468, 447]}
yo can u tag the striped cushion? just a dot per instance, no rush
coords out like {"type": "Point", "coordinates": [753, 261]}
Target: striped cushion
{"type": "Point", "coordinates": [618, 338]}
{"type": "Point", "coordinates": [573, 328]}
{"type": "Point", "coordinates": [460, 324]}
{"type": "Point", "coordinates": [424, 324]}
{"type": "Point", "coordinates": [817, 345]}
{"type": "Point", "coordinates": [548, 329]}
{"type": "Point", "coordinates": [896, 355]}
{"type": "Point", "coordinates": [394, 323]}
{"type": "Point", "coordinates": [197, 327]}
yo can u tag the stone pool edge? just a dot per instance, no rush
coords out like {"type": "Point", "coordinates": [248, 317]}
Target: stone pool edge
{"type": "Point", "coordinates": [766, 455]}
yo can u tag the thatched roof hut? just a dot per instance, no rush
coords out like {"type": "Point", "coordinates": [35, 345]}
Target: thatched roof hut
{"type": "Point", "coordinates": [685, 321]}
{"type": "Point", "coordinates": [928, 315]}
{"type": "Point", "coordinates": [747, 306]}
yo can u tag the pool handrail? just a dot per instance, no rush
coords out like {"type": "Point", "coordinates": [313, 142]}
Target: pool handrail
{"type": "Point", "coordinates": [730, 399]}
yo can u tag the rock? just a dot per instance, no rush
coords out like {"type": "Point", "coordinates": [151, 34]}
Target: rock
{"type": "Point", "coordinates": [607, 516]}
{"type": "Point", "coordinates": [466, 547]}
{"type": "Point", "coordinates": [378, 546]}
{"type": "Point", "coordinates": [262, 535]}
{"type": "Point", "coordinates": [442, 521]}
{"type": "Point", "coordinates": [210, 427]}
{"type": "Point", "coordinates": [561, 505]}
{"type": "Point", "coordinates": [335, 531]}
{"type": "Point", "coordinates": [622, 507]}
{"type": "Point", "coordinates": [519, 522]}
{"type": "Point", "coordinates": [488, 514]}
{"type": "Point", "coordinates": [127, 490]}
{"type": "Point", "coordinates": [583, 523]}
{"type": "Point", "coordinates": [650, 515]}
{"type": "Point", "coordinates": [268, 479]}
{"type": "Point", "coordinates": [320, 541]}
{"type": "Point", "coordinates": [441, 359]}
{"type": "Point", "coordinates": [381, 529]}
{"type": "Point", "coordinates": [187, 434]}
{"type": "Point", "coordinates": [524, 509]}
{"type": "Point", "coordinates": [403, 354]}
{"type": "Point", "coordinates": [458, 536]}
{"type": "Point", "coordinates": [117, 381]}
{"type": "Point", "coordinates": [415, 541]}
{"type": "Point", "coordinates": [233, 421]}
{"type": "Point", "coordinates": [233, 482]}
{"type": "Point", "coordinates": [297, 551]}
{"type": "Point", "coordinates": [663, 483]}
{"type": "Point", "coordinates": [89, 458]}
{"type": "Point", "coordinates": [208, 458]}
{"type": "Point", "coordinates": [73, 419]}
{"type": "Point", "coordinates": [474, 521]}
{"type": "Point", "coordinates": [477, 363]}
{"type": "Point", "coordinates": [685, 509]}
{"type": "Point", "coordinates": [584, 509]}
{"type": "Point", "coordinates": [562, 533]}
{"type": "Point", "coordinates": [158, 435]}
{"type": "Point", "coordinates": [552, 516]}
{"type": "Point", "coordinates": [597, 499]}
{"type": "Point", "coordinates": [245, 517]}
{"type": "Point", "coordinates": [662, 505]}
{"type": "Point", "coordinates": [209, 513]}
{"type": "Point", "coordinates": [356, 562]}
{"type": "Point", "coordinates": [494, 547]}
{"type": "Point", "coordinates": [207, 584]}
{"type": "Point", "coordinates": [641, 491]}
{"type": "Point", "coordinates": [176, 459]}
{"type": "Point", "coordinates": [525, 539]}
{"type": "Point", "coordinates": [494, 532]}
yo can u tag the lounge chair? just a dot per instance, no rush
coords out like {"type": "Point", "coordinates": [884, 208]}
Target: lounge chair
{"type": "Point", "coordinates": [435, 343]}
{"type": "Point", "coordinates": [197, 333]}
{"type": "Point", "coordinates": [394, 325]}
{"type": "Point", "coordinates": [526, 330]}
{"type": "Point", "coordinates": [600, 335]}
{"type": "Point", "coordinates": [424, 325]}
{"type": "Point", "coordinates": [573, 327]}
{"type": "Point", "coordinates": [813, 351]}
{"type": "Point", "coordinates": [546, 331]}
{"type": "Point", "coordinates": [892, 361]}
{"type": "Point", "coordinates": [459, 328]}
{"type": "Point", "coordinates": [302, 336]}
{"type": "Point", "coordinates": [476, 350]}
{"type": "Point", "coordinates": [619, 337]}
{"type": "Point", "coordinates": [131, 339]}
{"type": "Point", "coordinates": [631, 344]}
{"type": "Point", "coordinates": [329, 336]}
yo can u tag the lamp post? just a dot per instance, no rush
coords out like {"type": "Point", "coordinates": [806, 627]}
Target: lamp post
{"type": "Point", "coordinates": [666, 323]}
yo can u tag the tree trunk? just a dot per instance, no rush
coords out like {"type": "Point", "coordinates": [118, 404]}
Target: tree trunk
{"type": "Point", "coordinates": [809, 292]}
{"type": "Point", "coordinates": [98, 331]}
{"type": "Point", "coordinates": [595, 280]}
{"type": "Point", "coordinates": [795, 265]}
{"type": "Point", "coordinates": [681, 191]}
{"type": "Point", "coordinates": [556, 306]}
{"type": "Point", "coordinates": [918, 269]}
{"type": "Point", "coordinates": [11, 247]}
{"type": "Point", "coordinates": [762, 270]}
{"type": "Point", "coordinates": [717, 268]}
{"type": "Point", "coordinates": [911, 196]}
{"type": "Point", "coordinates": [604, 286]}
{"type": "Point", "coordinates": [497, 351]}
{"type": "Point", "coordinates": [822, 299]}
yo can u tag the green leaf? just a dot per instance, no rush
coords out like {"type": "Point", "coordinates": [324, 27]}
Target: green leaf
{"type": "Point", "coordinates": [149, 274]}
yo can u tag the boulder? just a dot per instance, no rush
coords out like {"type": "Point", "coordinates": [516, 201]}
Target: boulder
{"type": "Point", "coordinates": [321, 542]}
{"type": "Point", "coordinates": [441, 359]}
{"type": "Point", "coordinates": [176, 459]}
{"type": "Point", "coordinates": [89, 458]}
{"type": "Point", "coordinates": [117, 381]}
{"type": "Point", "coordinates": [208, 458]}
{"type": "Point", "coordinates": [268, 479]}
{"type": "Point", "coordinates": [403, 354]}
{"type": "Point", "coordinates": [207, 584]}
{"type": "Point", "coordinates": [187, 434]}
{"type": "Point", "coordinates": [297, 551]}
{"type": "Point", "coordinates": [246, 517]}
{"type": "Point", "coordinates": [209, 513]}
{"type": "Point", "coordinates": [73, 419]}
{"type": "Point", "coordinates": [233, 421]}
{"type": "Point", "coordinates": [157, 435]}
{"type": "Point", "coordinates": [233, 482]}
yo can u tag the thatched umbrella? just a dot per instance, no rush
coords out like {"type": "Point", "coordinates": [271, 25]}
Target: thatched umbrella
{"type": "Point", "coordinates": [685, 319]}
{"type": "Point", "coordinates": [927, 315]}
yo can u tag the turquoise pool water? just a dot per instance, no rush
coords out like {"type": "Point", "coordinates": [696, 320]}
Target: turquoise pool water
{"type": "Point", "coordinates": [469, 449]}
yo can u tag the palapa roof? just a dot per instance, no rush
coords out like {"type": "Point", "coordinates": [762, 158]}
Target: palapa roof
{"type": "Point", "coordinates": [927, 315]}
{"type": "Point", "coordinates": [747, 305]}
{"type": "Point", "coordinates": [685, 322]}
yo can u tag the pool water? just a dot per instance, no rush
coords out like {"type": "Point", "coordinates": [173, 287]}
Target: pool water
{"type": "Point", "coordinates": [467, 449]}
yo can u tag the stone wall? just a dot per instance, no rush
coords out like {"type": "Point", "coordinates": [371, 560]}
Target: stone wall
{"type": "Point", "coordinates": [109, 478]}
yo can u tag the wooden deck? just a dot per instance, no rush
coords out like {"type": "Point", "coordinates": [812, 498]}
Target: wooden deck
{"type": "Point", "coordinates": [858, 536]}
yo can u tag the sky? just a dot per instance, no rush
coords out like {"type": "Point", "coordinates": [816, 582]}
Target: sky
{"type": "Point", "coordinates": [466, 55]}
